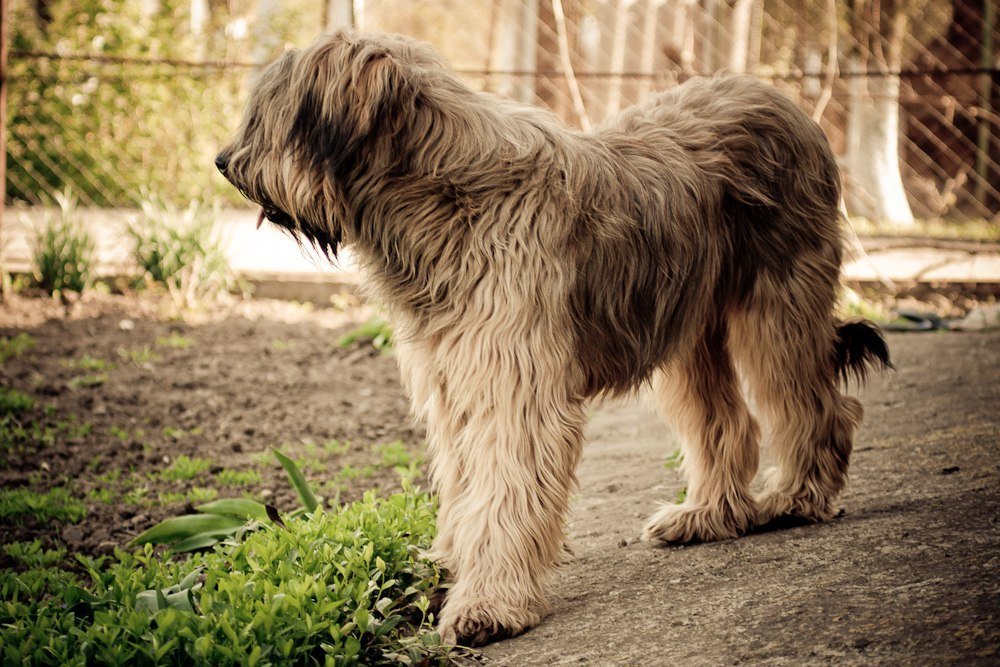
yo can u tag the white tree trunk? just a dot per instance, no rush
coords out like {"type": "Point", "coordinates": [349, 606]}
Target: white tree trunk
{"type": "Point", "coordinates": [875, 185]}
{"type": "Point", "coordinates": [339, 15]}
{"type": "Point", "coordinates": [740, 23]}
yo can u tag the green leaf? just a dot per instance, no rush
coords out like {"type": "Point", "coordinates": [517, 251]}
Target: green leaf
{"type": "Point", "coordinates": [200, 541]}
{"type": "Point", "coordinates": [298, 481]}
{"type": "Point", "coordinates": [182, 527]}
{"type": "Point", "coordinates": [155, 600]}
{"type": "Point", "coordinates": [239, 507]}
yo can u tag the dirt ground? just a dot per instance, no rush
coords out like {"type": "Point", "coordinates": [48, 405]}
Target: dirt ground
{"type": "Point", "coordinates": [270, 375]}
{"type": "Point", "coordinates": [909, 574]}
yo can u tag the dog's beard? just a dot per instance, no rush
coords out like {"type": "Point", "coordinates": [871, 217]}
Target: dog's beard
{"type": "Point", "coordinates": [301, 228]}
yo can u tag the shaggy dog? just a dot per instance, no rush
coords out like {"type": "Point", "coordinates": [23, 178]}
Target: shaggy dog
{"type": "Point", "coordinates": [687, 243]}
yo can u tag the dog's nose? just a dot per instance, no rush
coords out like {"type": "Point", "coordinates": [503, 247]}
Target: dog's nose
{"type": "Point", "coordinates": [221, 161]}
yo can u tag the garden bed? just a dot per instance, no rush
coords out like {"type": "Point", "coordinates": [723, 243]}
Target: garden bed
{"type": "Point", "coordinates": [118, 416]}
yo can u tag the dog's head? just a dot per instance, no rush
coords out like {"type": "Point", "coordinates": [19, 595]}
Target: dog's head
{"type": "Point", "coordinates": [322, 123]}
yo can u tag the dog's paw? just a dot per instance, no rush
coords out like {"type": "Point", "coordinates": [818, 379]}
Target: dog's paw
{"type": "Point", "coordinates": [698, 523]}
{"type": "Point", "coordinates": [480, 622]}
{"type": "Point", "coordinates": [775, 505]}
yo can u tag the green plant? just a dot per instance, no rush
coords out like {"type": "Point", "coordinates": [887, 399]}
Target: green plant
{"type": "Point", "coordinates": [63, 251]}
{"type": "Point", "coordinates": [17, 438]}
{"type": "Point", "coordinates": [32, 555]}
{"type": "Point", "coordinates": [184, 468]}
{"type": "Point", "coordinates": [13, 402]}
{"type": "Point", "coordinates": [675, 459]}
{"type": "Point", "coordinates": [91, 380]}
{"type": "Point", "coordinates": [394, 454]}
{"type": "Point", "coordinates": [103, 495]}
{"type": "Point", "coordinates": [140, 356]}
{"type": "Point", "coordinates": [20, 344]}
{"type": "Point", "coordinates": [201, 494]}
{"type": "Point", "coordinates": [349, 472]}
{"type": "Point", "coordinates": [181, 250]}
{"type": "Point", "coordinates": [175, 340]}
{"type": "Point", "coordinates": [88, 363]}
{"type": "Point", "coordinates": [56, 504]}
{"type": "Point", "coordinates": [342, 587]}
{"type": "Point", "coordinates": [229, 477]}
{"type": "Point", "coordinates": [376, 330]}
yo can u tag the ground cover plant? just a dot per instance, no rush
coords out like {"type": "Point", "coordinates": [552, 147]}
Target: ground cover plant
{"type": "Point", "coordinates": [335, 588]}
{"type": "Point", "coordinates": [186, 417]}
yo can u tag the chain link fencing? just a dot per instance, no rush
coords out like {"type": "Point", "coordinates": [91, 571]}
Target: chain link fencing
{"type": "Point", "coordinates": [122, 101]}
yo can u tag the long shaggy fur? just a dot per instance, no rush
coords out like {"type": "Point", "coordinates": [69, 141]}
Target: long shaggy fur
{"type": "Point", "coordinates": [689, 242]}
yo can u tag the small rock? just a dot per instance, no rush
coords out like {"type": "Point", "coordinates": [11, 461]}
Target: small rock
{"type": "Point", "coordinates": [126, 325]}
{"type": "Point", "coordinates": [622, 544]}
{"type": "Point", "coordinates": [266, 493]}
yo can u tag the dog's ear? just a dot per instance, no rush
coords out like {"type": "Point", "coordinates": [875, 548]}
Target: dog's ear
{"type": "Point", "coordinates": [353, 92]}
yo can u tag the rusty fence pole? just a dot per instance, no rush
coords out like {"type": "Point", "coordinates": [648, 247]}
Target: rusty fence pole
{"type": "Point", "coordinates": [3, 108]}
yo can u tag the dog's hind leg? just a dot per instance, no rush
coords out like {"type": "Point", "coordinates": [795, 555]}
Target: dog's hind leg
{"type": "Point", "coordinates": [784, 339]}
{"type": "Point", "coordinates": [699, 396]}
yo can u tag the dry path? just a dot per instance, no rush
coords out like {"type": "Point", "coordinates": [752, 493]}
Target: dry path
{"type": "Point", "coordinates": [909, 575]}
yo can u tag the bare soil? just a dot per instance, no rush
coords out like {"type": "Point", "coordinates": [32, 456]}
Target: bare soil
{"type": "Point", "coordinates": [908, 575]}
{"type": "Point", "coordinates": [261, 374]}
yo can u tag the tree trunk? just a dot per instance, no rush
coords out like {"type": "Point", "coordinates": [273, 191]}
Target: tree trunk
{"type": "Point", "coordinates": [875, 189]}
{"type": "Point", "coordinates": [875, 185]}
{"type": "Point", "coordinates": [740, 22]}
{"type": "Point", "coordinates": [338, 14]}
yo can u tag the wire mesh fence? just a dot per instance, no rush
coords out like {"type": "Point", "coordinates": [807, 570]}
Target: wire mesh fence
{"type": "Point", "coordinates": [119, 101]}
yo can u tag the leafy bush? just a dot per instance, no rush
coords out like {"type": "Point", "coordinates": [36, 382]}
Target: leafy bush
{"type": "Point", "coordinates": [336, 588]}
{"type": "Point", "coordinates": [64, 252]}
{"type": "Point", "coordinates": [181, 250]}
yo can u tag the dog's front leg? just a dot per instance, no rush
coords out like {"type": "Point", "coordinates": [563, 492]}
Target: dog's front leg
{"type": "Point", "coordinates": [504, 523]}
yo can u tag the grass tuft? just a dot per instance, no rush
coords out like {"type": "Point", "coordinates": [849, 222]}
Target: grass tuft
{"type": "Point", "coordinates": [181, 251]}
{"type": "Point", "coordinates": [184, 468]}
{"type": "Point", "coordinates": [20, 344]}
{"type": "Point", "coordinates": [63, 251]}
{"type": "Point", "coordinates": [56, 504]}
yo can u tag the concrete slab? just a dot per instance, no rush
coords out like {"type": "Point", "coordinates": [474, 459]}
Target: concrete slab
{"type": "Point", "coordinates": [267, 256]}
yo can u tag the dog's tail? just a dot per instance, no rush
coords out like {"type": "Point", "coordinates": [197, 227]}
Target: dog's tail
{"type": "Point", "coordinates": [859, 349]}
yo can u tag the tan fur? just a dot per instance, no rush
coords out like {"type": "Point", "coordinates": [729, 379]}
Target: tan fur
{"type": "Point", "coordinates": [529, 267]}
